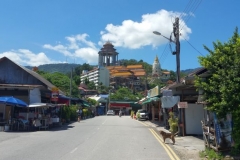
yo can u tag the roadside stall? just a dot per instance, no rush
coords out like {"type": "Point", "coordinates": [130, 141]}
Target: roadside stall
{"type": "Point", "coordinates": [7, 104]}
{"type": "Point", "coordinates": [45, 115]}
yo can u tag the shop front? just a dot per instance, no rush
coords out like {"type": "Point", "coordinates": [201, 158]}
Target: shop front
{"type": "Point", "coordinates": [117, 106]}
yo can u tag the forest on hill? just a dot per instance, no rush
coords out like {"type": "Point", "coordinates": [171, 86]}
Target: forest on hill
{"type": "Point", "coordinates": [67, 67]}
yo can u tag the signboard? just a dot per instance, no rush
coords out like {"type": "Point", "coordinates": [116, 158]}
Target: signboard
{"type": "Point", "coordinates": [154, 92]}
{"type": "Point", "coordinates": [223, 129]}
{"type": "Point", "coordinates": [182, 105]}
{"type": "Point", "coordinates": [55, 93]}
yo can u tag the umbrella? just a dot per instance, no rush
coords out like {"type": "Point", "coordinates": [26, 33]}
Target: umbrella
{"type": "Point", "coordinates": [13, 101]}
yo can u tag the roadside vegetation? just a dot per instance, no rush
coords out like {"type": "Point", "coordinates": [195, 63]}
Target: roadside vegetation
{"type": "Point", "coordinates": [221, 88]}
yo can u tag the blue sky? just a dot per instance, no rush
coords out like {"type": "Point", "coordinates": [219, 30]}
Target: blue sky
{"type": "Point", "coordinates": [59, 31]}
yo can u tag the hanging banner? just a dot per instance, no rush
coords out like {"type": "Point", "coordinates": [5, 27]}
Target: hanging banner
{"type": "Point", "coordinates": [223, 129]}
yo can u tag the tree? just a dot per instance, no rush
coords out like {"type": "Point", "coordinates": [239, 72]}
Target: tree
{"type": "Point", "coordinates": [92, 101]}
{"type": "Point", "coordinates": [221, 88]}
{"type": "Point", "coordinates": [62, 81]}
{"type": "Point", "coordinates": [91, 85]}
{"type": "Point", "coordinates": [125, 94]}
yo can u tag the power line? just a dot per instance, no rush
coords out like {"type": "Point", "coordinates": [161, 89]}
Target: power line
{"type": "Point", "coordinates": [164, 54]}
{"type": "Point", "coordinates": [189, 10]}
{"type": "Point", "coordinates": [193, 46]}
{"type": "Point", "coordinates": [163, 51]}
{"type": "Point", "coordinates": [185, 10]}
{"type": "Point", "coordinates": [193, 11]}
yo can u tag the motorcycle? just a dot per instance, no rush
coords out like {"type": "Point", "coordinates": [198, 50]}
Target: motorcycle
{"type": "Point", "coordinates": [120, 114]}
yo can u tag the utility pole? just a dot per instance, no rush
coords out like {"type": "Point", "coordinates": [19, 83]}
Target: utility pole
{"type": "Point", "coordinates": [70, 86]}
{"type": "Point", "coordinates": [177, 52]}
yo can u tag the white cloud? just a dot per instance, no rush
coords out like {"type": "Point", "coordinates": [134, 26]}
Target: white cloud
{"type": "Point", "coordinates": [90, 55]}
{"type": "Point", "coordinates": [78, 47]}
{"type": "Point", "coordinates": [135, 35]}
{"type": "Point", "coordinates": [130, 34]}
{"type": "Point", "coordinates": [59, 48]}
{"type": "Point", "coordinates": [27, 58]}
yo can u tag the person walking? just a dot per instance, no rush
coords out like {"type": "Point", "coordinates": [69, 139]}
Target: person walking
{"type": "Point", "coordinates": [79, 114]}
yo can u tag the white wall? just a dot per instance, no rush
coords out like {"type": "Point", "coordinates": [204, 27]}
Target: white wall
{"type": "Point", "coordinates": [193, 117]}
{"type": "Point", "coordinates": [104, 76]}
{"type": "Point", "coordinates": [35, 96]}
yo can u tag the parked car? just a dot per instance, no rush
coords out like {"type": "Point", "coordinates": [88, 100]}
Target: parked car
{"type": "Point", "coordinates": [143, 114]}
{"type": "Point", "coordinates": [110, 112]}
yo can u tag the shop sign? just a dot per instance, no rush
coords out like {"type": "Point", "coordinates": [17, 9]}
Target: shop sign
{"type": "Point", "coordinates": [154, 92]}
{"type": "Point", "coordinates": [55, 93]}
{"type": "Point", "coordinates": [182, 105]}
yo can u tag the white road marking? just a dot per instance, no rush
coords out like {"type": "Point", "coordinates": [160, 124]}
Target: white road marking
{"type": "Point", "coordinates": [104, 121]}
{"type": "Point", "coordinates": [73, 150]}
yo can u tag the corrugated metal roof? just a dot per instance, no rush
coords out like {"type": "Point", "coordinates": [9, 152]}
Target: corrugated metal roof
{"type": "Point", "coordinates": [34, 74]}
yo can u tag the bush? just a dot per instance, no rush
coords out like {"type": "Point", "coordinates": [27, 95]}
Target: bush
{"type": "Point", "coordinates": [73, 112]}
{"type": "Point", "coordinates": [69, 113]}
{"type": "Point", "coordinates": [173, 123]}
{"type": "Point", "coordinates": [85, 112]}
{"type": "Point", "coordinates": [210, 154]}
{"type": "Point", "coordinates": [66, 113]}
{"type": "Point", "coordinates": [138, 115]}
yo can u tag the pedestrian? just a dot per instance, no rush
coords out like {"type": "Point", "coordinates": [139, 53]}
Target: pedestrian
{"type": "Point", "coordinates": [79, 114]}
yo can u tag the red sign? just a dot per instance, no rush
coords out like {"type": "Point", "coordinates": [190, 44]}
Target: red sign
{"type": "Point", "coordinates": [119, 105]}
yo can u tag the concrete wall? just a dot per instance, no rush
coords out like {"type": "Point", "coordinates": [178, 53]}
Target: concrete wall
{"type": "Point", "coordinates": [104, 76]}
{"type": "Point", "coordinates": [193, 117]}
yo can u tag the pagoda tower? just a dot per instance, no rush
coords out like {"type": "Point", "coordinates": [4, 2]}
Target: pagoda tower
{"type": "Point", "coordinates": [156, 68]}
{"type": "Point", "coordinates": [107, 56]}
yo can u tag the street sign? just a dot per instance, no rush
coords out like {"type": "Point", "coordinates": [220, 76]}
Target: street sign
{"type": "Point", "coordinates": [182, 105]}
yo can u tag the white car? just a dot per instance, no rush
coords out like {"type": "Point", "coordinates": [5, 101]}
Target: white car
{"type": "Point", "coordinates": [143, 115]}
{"type": "Point", "coordinates": [110, 112]}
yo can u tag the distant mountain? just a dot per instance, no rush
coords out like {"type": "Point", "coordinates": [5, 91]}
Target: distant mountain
{"type": "Point", "coordinates": [187, 71]}
{"type": "Point", "coordinates": [66, 68]}
{"type": "Point", "coordinates": [60, 67]}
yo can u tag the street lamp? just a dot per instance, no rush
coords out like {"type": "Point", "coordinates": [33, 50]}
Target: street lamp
{"type": "Point", "coordinates": [177, 52]}
{"type": "Point", "coordinates": [159, 34]}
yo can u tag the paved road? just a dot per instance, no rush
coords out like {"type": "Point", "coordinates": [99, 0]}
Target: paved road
{"type": "Point", "coordinates": [99, 138]}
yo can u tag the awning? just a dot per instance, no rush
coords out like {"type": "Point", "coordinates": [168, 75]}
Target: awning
{"type": "Point", "coordinates": [151, 99]}
{"type": "Point", "coordinates": [43, 105]}
{"type": "Point", "coordinates": [147, 101]}
{"type": "Point", "coordinates": [85, 104]}
{"type": "Point", "coordinates": [40, 105]}
{"type": "Point", "coordinates": [99, 99]}
{"type": "Point", "coordinates": [169, 101]}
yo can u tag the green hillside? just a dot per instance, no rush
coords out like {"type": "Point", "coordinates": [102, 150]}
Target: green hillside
{"type": "Point", "coordinates": [66, 67]}
{"type": "Point", "coordinates": [59, 67]}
